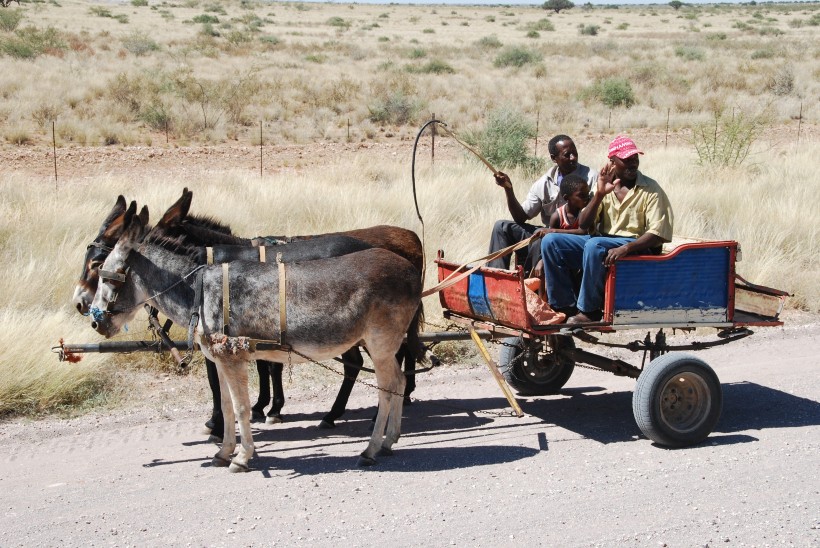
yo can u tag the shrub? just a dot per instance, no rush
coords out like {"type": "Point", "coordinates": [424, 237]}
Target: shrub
{"type": "Point", "coordinates": [489, 42]}
{"type": "Point", "coordinates": [205, 18]}
{"type": "Point", "coordinates": [417, 53]}
{"type": "Point", "coordinates": [504, 141]}
{"type": "Point", "coordinates": [726, 141]}
{"type": "Point", "coordinates": [765, 53]}
{"type": "Point", "coordinates": [533, 34]}
{"type": "Point", "coordinates": [613, 92]}
{"type": "Point", "coordinates": [139, 44]}
{"type": "Point", "coordinates": [30, 42]}
{"type": "Point", "coordinates": [10, 19]}
{"type": "Point", "coordinates": [139, 3]}
{"type": "Point", "coordinates": [690, 53]}
{"type": "Point", "coordinates": [542, 25]}
{"type": "Point", "coordinates": [338, 22]}
{"type": "Point", "coordinates": [782, 83]}
{"type": "Point", "coordinates": [588, 30]}
{"type": "Point", "coordinates": [18, 136]}
{"type": "Point", "coordinates": [516, 57]}
{"type": "Point", "coordinates": [436, 66]}
{"type": "Point", "coordinates": [395, 108]}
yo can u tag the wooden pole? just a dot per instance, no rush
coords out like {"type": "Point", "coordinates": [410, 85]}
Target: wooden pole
{"type": "Point", "coordinates": [666, 139]}
{"type": "Point", "coordinates": [166, 131]}
{"type": "Point", "coordinates": [609, 124]}
{"type": "Point", "coordinates": [54, 150]}
{"type": "Point", "coordinates": [433, 139]}
{"type": "Point", "coordinates": [260, 148]}
{"type": "Point", "coordinates": [348, 130]}
{"type": "Point", "coordinates": [499, 378]}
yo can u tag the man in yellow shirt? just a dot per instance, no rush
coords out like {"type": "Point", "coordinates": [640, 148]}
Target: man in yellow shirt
{"type": "Point", "coordinates": [633, 215]}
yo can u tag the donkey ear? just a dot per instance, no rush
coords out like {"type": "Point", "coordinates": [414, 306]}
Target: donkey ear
{"type": "Point", "coordinates": [177, 212]}
{"type": "Point", "coordinates": [114, 214]}
{"type": "Point", "coordinates": [144, 215]}
{"type": "Point", "coordinates": [132, 234]}
{"type": "Point", "coordinates": [111, 233]}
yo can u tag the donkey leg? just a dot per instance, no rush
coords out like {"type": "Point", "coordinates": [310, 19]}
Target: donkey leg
{"type": "Point", "coordinates": [275, 413]}
{"type": "Point", "coordinates": [236, 376]}
{"type": "Point", "coordinates": [354, 356]}
{"type": "Point", "coordinates": [223, 456]}
{"type": "Point", "coordinates": [258, 409]}
{"type": "Point", "coordinates": [390, 381]}
{"type": "Point", "coordinates": [216, 424]}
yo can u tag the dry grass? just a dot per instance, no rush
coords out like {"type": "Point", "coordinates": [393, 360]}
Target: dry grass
{"type": "Point", "coordinates": [118, 75]}
{"type": "Point", "coordinates": [771, 209]}
{"type": "Point", "coordinates": [212, 71]}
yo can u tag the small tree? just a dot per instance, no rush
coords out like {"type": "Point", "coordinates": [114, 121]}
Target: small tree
{"type": "Point", "coordinates": [676, 4]}
{"type": "Point", "coordinates": [557, 5]}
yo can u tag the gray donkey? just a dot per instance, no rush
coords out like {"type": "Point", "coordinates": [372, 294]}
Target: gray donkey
{"type": "Point", "coordinates": [249, 310]}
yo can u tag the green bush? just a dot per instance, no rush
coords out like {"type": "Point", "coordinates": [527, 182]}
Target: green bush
{"type": "Point", "coordinates": [765, 53]}
{"type": "Point", "coordinates": [544, 25]}
{"type": "Point", "coordinates": [139, 3]}
{"type": "Point", "coordinates": [10, 19]}
{"type": "Point", "coordinates": [726, 141]}
{"type": "Point", "coordinates": [437, 66]}
{"type": "Point", "coordinates": [613, 92]}
{"type": "Point", "coordinates": [504, 141]}
{"type": "Point", "coordinates": [516, 57]}
{"type": "Point", "coordinates": [205, 18]}
{"type": "Point", "coordinates": [533, 34]}
{"type": "Point", "coordinates": [30, 42]}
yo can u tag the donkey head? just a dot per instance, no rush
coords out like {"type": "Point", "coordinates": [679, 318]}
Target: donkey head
{"type": "Point", "coordinates": [97, 251]}
{"type": "Point", "coordinates": [115, 302]}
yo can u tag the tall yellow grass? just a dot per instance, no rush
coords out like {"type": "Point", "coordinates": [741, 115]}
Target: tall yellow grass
{"type": "Point", "coordinates": [772, 210]}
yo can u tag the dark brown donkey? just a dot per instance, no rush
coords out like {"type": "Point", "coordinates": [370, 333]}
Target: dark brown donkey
{"type": "Point", "coordinates": [251, 310]}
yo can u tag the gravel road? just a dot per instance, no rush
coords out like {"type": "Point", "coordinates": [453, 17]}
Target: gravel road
{"type": "Point", "coordinates": [575, 471]}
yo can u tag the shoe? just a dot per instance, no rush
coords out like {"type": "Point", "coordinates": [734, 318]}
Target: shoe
{"type": "Point", "coordinates": [586, 317]}
{"type": "Point", "coordinates": [569, 311]}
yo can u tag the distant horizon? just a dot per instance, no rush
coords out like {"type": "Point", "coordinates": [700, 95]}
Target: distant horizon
{"type": "Point", "coordinates": [536, 4]}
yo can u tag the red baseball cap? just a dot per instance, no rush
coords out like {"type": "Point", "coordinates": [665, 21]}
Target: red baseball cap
{"type": "Point", "coordinates": [623, 147]}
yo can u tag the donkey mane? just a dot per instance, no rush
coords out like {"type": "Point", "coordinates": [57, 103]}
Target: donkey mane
{"type": "Point", "coordinates": [178, 245]}
{"type": "Point", "coordinates": [208, 223]}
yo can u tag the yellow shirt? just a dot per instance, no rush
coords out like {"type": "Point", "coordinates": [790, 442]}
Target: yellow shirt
{"type": "Point", "coordinates": [645, 208]}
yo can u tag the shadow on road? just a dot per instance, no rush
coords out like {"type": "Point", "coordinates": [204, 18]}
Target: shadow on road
{"type": "Point", "coordinates": [589, 412]}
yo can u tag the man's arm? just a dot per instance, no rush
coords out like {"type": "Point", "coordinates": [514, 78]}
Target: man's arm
{"type": "Point", "coordinates": [642, 243]}
{"type": "Point", "coordinates": [517, 212]}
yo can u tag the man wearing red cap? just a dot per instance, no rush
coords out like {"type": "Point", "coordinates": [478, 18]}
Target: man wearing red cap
{"type": "Point", "coordinates": [543, 199]}
{"type": "Point", "coordinates": [633, 215]}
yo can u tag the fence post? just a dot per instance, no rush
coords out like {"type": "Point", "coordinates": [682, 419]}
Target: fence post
{"type": "Point", "coordinates": [260, 149]}
{"type": "Point", "coordinates": [433, 139]}
{"type": "Point", "coordinates": [799, 122]}
{"type": "Point", "coordinates": [609, 124]}
{"type": "Point", "coordinates": [666, 139]}
{"type": "Point", "coordinates": [348, 130]}
{"type": "Point", "coordinates": [537, 119]}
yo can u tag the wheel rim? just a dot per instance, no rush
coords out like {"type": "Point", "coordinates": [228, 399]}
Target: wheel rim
{"type": "Point", "coordinates": [685, 402]}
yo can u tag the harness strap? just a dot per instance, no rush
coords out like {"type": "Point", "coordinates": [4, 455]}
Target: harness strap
{"type": "Point", "coordinates": [226, 297]}
{"type": "Point", "coordinates": [111, 275]}
{"type": "Point", "coordinates": [262, 254]}
{"type": "Point", "coordinates": [283, 290]}
{"type": "Point", "coordinates": [209, 255]}
{"type": "Point", "coordinates": [195, 313]}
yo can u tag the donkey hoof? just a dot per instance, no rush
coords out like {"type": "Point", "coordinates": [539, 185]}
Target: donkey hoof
{"type": "Point", "coordinates": [274, 419]}
{"type": "Point", "coordinates": [385, 452]}
{"type": "Point", "coordinates": [257, 416]}
{"type": "Point", "coordinates": [327, 424]}
{"type": "Point", "coordinates": [364, 461]}
{"type": "Point", "coordinates": [219, 462]}
{"type": "Point", "coordinates": [237, 467]}
{"type": "Point", "coordinates": [214, 439]}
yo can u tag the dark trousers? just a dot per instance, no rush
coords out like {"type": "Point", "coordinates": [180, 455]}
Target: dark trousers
{"type": "Point", "coordinates": [507, 233]}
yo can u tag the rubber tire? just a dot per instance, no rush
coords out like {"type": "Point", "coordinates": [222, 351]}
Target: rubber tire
{"type": "Point", "coordinates": [550, 379]}
{"type": "Point", "coordinates": [658, 391]}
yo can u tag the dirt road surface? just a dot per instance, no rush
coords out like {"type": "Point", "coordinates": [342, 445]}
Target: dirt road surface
{"type": "Point", "coordinates": [575, 471]}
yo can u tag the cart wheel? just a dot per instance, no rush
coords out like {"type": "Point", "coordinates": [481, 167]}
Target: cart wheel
{"type": "Point", "coordinates": [677, 400]}
{"type": "Point", "coordinates": [531, 370]}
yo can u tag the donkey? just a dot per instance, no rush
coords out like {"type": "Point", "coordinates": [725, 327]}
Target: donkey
{"type": "Point", "coordinates": [403, 242]}
{"type": "Point", "coordinates": [202, 231]}
{"type": "Point", "coordinates": [302, 311]}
